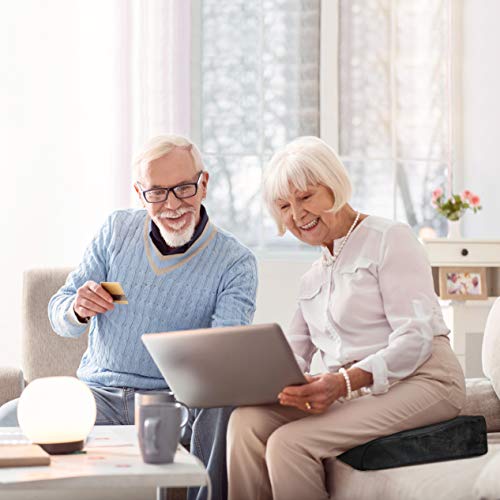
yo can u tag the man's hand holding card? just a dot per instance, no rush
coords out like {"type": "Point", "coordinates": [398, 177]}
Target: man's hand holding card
{"type": "Point", "coordinates": [93, 298]}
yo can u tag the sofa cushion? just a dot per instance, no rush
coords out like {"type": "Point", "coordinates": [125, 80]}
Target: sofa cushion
{"type": "Point", "coordinates": [45, 353]}
{"type": "Point", "coordinates": [491, 347]}
{"type": "Point", "coordinates": [11, 383]}
{"type": "Point", "coordinates": [482, 400]}
{"type": "Point", "coordinates": [439, 481]}
{"type": "Point", "coordinates": [487, 484]}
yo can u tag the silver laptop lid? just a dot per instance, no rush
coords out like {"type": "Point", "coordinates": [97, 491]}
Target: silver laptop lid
{"type": "Point", "coordinates": [226, 366]}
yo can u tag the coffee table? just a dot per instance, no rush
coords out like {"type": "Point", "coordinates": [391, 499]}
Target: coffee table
{"type": "Point", "coordinates": [112, 460]}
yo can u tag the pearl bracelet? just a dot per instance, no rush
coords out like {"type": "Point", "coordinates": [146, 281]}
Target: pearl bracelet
{"type": "Point", "coordinates": [344, 373]}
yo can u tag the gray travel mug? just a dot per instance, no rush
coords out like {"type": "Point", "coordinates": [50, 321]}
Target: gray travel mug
{"type": "Point", "coordinates": [159, 431]}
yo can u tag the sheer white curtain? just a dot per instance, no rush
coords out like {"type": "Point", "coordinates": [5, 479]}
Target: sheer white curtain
{"type": "Point", "coordinates": [82, 84]}
{"type": "Point", "coordinates": [160, 50]}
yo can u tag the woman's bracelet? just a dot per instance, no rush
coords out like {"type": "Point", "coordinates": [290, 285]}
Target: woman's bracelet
{"type": "Point", "coordinates": [344, 373]}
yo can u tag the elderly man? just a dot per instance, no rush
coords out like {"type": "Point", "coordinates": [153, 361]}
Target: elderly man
{"type": "Point", "coordinates": [178, 270]}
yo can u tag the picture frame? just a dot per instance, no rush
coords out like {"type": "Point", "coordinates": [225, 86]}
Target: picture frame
{"type": "Point", "coordinates": [463, 283]}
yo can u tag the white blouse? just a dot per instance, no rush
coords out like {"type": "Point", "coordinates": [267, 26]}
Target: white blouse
{"type": "Point", "coordinates": [374, 306]}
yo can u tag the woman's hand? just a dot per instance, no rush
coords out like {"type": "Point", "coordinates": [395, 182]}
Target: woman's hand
{"type": "Point", "coordinates": [320, 392]}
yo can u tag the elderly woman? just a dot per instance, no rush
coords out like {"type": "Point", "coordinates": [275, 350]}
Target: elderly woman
{"type": "Point", "coordinates": [368, 306]}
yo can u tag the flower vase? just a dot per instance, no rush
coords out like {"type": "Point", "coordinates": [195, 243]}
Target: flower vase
{"type": "Point", "coordinates": [454, 232]}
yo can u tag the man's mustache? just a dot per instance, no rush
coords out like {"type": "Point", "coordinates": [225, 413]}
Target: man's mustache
{"type": "Point", "coordinates": [174, 214]}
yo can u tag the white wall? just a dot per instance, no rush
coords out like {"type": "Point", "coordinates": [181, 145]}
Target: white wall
{"type": "Point", "coordinates": [278, 288]}
{"type": "Point", "coordinates": [481, 119]}
{"type": "Point", "coordinates": [279, 280]}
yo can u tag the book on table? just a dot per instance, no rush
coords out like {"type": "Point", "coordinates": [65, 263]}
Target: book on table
{"type": "Point", "coordinates": [22, 455]}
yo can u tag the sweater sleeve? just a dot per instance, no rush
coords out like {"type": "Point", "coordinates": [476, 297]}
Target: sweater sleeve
{"type": "Point", "coordinates": [94, 266]}
{"type": "Point", "coordinates": [407, 291]}
{"type": "Point", "coordinates": [237, 293]}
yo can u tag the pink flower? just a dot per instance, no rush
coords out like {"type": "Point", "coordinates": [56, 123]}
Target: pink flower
{"type": "Point", "coordinates": [455, 205]}
{"type": "Point", "coordinates": [466, 195]}
{"type": "Point", "coordinates": [437, 193]}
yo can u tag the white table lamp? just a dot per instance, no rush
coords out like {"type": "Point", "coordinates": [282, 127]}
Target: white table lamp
{"type": "Point", "coordinates": [57, 413]}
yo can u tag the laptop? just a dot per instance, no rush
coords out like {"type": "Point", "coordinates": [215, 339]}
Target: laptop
{"type": "Point", "coordinates": [225, 366]}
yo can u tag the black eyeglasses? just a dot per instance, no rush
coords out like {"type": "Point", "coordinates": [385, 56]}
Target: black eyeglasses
{"type": "Point", "coordinates": [181, 191]}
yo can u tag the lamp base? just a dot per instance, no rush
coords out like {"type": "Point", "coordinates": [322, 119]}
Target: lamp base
{"type": "Point", "coordinates": [62, 448]}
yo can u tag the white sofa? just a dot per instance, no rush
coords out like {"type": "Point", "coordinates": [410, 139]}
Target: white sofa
{"type": "Point", "coordinates": [44, 353]}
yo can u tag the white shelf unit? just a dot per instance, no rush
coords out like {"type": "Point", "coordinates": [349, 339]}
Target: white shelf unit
{"type": "Point", "coordinates": [466, 319]}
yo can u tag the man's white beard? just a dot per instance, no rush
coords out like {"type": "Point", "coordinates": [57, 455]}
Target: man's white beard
{"type": "Point", "coordinates": [176, 239]}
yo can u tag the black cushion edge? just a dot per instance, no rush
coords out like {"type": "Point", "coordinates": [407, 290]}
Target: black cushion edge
{"type": "Point", "coordinates": [460, 437]}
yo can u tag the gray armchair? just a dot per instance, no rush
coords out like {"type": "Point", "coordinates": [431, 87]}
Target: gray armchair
{"type": "Point", "coordinates": [43, 352]}
{"type": "Point", "coordinates": [11, 383]}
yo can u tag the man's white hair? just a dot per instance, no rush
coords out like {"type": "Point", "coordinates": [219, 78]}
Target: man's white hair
{"type": "Point", "coordinates": [161, 145]}
{"type": "Point", "coordinates": [303, 162]}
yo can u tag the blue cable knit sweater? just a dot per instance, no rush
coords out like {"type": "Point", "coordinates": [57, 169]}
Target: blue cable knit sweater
{"type": "Point", "coordinates": [212, 284]}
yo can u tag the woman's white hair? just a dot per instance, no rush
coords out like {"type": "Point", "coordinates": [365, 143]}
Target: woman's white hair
{"type": "Point", "coordinates": [304, 162]}
{"type": "Point", "coordinates": [161, 145]}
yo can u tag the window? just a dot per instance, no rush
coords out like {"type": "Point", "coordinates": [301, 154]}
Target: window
{"type": "Point", "coordinates": [258, 67]}
{"type": "Point", "coordinates": [384, 82]}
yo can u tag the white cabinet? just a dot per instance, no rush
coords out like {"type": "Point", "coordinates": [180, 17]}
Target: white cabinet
{"type": "Point", "coordinates": [467, 319]}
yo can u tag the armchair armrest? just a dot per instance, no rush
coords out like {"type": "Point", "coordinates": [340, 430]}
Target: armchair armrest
{"type": "Point", "coordinates": [11, 383]}
{"type": "Point", "coordinates": [482, 400]}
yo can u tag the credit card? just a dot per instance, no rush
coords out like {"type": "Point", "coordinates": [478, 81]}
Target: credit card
{"type": "Point", "coordinates": [116, 291]}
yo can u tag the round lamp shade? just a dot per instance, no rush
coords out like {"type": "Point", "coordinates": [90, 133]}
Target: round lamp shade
{"type": "Point", "coordinates": [57, 413]}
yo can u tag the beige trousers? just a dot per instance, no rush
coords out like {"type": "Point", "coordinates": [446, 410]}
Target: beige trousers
{"type": "Point", "coordinates": [277, 451]}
